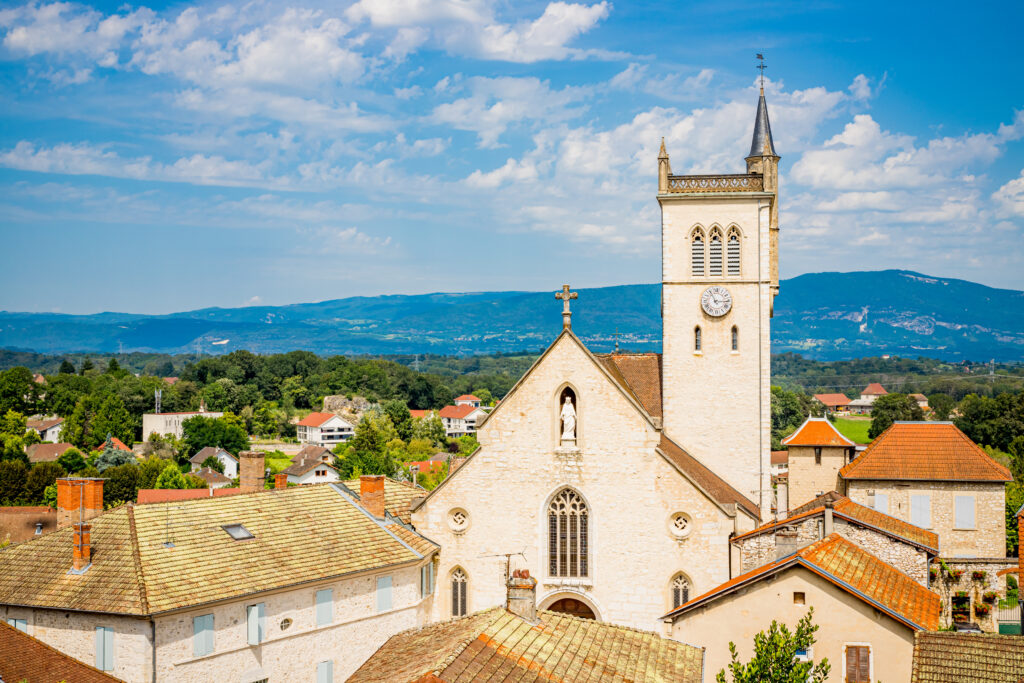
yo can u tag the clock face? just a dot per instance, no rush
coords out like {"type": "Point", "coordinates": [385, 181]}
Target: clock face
{"type": "Point", "coordinates": [716, 301]}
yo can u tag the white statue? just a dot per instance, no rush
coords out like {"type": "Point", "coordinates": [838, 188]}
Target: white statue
{"type": "Point", "coordinates": [568, 421]}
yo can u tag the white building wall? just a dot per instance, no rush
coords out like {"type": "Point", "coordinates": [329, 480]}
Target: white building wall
{"type": "Point", "coordinates": [329, 474]}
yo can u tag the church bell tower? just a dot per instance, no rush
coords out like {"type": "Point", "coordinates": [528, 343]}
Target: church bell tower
{"type": "Point", "coordinates": [719, 279]}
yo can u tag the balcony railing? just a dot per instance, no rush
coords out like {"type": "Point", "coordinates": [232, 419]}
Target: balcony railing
{"type": "Point", "coordinates": [740, 182]}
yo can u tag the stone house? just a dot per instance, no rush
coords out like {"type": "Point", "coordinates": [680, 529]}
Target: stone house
{"type": "Point", "coordinates": [863, 404]}
{"type": "Point", "coordinates": [902, 545]}
{"type": "Point", "coordinates": [287, 584]}
{"type": "Point", "coordinates": [226, 459]}
{"type": "Point", "coordinates": [931, 475]}
{"type": "Point", "coordinates": [867, 611]}
{"type": "Point", "coordinates": [817, 451]}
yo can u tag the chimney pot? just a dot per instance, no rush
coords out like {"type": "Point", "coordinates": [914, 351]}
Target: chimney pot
{"type": "Point", "coordinates": [78, 499]}
{"type": "Point", "coordinates": [371, 494]}
{"type": "Point", "coordinates": [522, 595]}
{"type": "Point", "coordinates": [250, 471]}
{"type": "Point", "coordinates": [280, 481]}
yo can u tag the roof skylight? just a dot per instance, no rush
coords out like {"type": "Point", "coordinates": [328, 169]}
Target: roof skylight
{"type": "Point", "coordinates": [238, 532]}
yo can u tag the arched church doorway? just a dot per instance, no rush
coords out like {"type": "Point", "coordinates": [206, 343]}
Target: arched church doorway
{"type": "Point", "coordinates": [572, 607]}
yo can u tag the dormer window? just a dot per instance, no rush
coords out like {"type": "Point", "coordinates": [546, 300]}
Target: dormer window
{"type": "Point", "coordinates": [238, 532]}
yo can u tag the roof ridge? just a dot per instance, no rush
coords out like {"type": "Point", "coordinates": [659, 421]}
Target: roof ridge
{"type": "Point", "coordinates": [140, 574]}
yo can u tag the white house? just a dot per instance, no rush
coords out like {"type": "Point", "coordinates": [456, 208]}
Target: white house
{"type": "Point", "coordinates": [169, 424]}
{"type": "Point", "coordinates": [468, 400]}
{"type": "Point", "coordinates": [867, 398]}
{"type": "Point", "coordinates": [324, 429]}
{"type": "Point", "coordinates": [229, 461]}
{"type": "Point", "coordinates": [460, 420]}
{"type": "Point", "coordinates": [310, 471]}
{"type": "Point", "coordinates": [48, 428]}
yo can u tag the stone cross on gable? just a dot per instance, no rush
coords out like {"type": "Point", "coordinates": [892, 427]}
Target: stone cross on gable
{"type": "Point", "coordinates": [565, 295]}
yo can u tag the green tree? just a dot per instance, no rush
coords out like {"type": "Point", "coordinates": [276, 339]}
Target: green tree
{"type": "Point", "coordinates": [13, 436]}
{"type": "Point", "coordinates": [368, 452]}
{"type": "Point", "coordinates": [398, 412]}
{"type": "Point", "coordinates": [86, 367]}
{"type": "Point", "coordinates": [429, 427]}
{"type": "Point", "coordinates": [149, 471]}
{"type": "Point", "coordinates": [113, 367]}
{"type": "Point", "coordinates": [223, 432]}
{"type": "Point", "coordinates": [71, 460]}
{"type": "Point", "coordinates": [1016, 451]}
{"type": "Point", "coordinates": [78, 427]}
{"type": "Point", "coordinates": [122, 485]}
{"type": "Point", "coordinates": [18, 391]}
{"type": "Point", "coordinates": [789, 410]}
{"type": "Point", "coordinates": [892, 408]}
{"type": "Point", "coordinates": [113, 419]}
{"type": "Point", "coordinates": [50, 496]}
{"type": "Point", "coordinates": [113, 457]}
{"type": "Point", "coordinates": [13, 477]}
{"type": "Point", "coordinates": [942, 405]}
{"type": "Point", "coordinates": [774, 659]}
{"type": "Point", "coordinates": [171, 478]}
{"type": "Point", "coordinates": [264, 422]}
{"type": "Point", "coordinates": [194, 482]}
{"type": "Point", "coordinates": [214, 463]}
{"type": "Point", "coordinates": [1014, 501]}
{"type": "Point", "coordinates": [66, 368]}
{"type": "Point", "coordinates": [41, 475]}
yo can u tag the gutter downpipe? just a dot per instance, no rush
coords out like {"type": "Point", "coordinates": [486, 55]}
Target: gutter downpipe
{"type": "Point", "coordinates": [152, 625]}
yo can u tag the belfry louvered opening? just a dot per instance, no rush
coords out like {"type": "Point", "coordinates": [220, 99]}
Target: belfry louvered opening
{"type": "Point", "coordinates": [715, 253]}
{"type": "Point", "coordinates": [697, 253]}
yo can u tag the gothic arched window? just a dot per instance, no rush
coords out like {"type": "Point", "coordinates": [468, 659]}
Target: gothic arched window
{"type": "Point", "coordinates": [715, 253]}
{"type": "Point", "coordinates": [696, 339]}
{"type": "Point", "coordinates": [735, 338]}
{"type": "Point", "coordinates": [680, 590]}
{"type": "Point", "coordinates": [733, 253]}
{"type": "Point", "coordinates": [568, 535]}
{"type": "Point", "coordinates": [697, 254]}
{"type": "Point", "coordinates": [459, 593]}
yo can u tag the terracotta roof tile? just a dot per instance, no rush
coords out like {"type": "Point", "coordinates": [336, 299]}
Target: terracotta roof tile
{"type": "Point", "coordinates": [874, 389]}
{"type": "Point", "coordinates": [23, 658]}
{"type": "Point", "coordinates": [496, 645]}
{"type": "Point", "coordinates": [711, 483]}
{"type": "Point", "coordinates": [924, 451]}
{"type": "Point", "coordinates": [116, 443]}
{"type": "Point", "coordinates": [315, 419]}
{"type": "Point", "coordinates": [967, 658]}
{"type": "Point", "coordinates": [212, 476]}
{"type": "Point", "coordinates": [816, 431]}
{"type": "Point", "coordinates": [832, 400]}
{"type": "Point", "coordinates": [300, 467]}
{"type": "Point", "coordinates": [639, 374]}
{"type": "Point", "coordinates": [208, 451]}
{"type": "Point", "coordinates": [780, 457]}
{"type": "Point", "coordinates": [467, 397]}
{"type": "Point", "coordinates": [457, 412]}
{"type": "Point", "coordinates": [419, 414]}
{"type": "Point", "coordinates": [47, 452]}
{"type": "Point", "coordinates": [854, 570]}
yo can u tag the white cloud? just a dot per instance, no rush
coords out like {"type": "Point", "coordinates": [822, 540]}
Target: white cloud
{"type": "Point", "coordinates": [1010, 197]}
{"type": "Point", "coordinates": [406, 41]}
{"type": "Point", "coordinates": [391, 13]}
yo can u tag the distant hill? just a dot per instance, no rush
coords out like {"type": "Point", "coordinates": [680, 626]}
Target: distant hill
{"type": "Point", "coordinates": [827, 316]}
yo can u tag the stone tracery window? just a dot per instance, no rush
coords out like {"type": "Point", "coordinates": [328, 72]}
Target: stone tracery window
{"type": "Point", "coordinates": [697, 253]}
{"type": "Point", "coordinates": [680, 590]}
{"type": "Point", "coordinates": [459, 581]}
{"type": "Point", "coordinates": [732, 253]}
{"type": "Point", "coordinates": [715, 253]}
{"type": "Point", "coordinates": [568, 535]}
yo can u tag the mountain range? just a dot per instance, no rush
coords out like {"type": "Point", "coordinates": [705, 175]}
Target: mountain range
{"type": "Point", "coordinates": [827, 316]}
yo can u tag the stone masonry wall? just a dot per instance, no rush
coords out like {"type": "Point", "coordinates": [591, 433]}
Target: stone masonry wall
{"type": "Point", "coordinates": [947, 586]}
{"type": "Point", "coordinates": [807, 479]}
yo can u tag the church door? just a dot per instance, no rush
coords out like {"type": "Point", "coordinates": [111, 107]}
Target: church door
{"type": "Point", "coordinates": [572, 607]}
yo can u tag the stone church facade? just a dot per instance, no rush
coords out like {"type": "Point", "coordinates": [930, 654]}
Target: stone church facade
{"type": "Point", "coordinates": [622, 505]}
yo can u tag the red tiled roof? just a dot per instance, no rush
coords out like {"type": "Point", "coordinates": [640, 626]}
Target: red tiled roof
{"type": "Point", "coordinates": [212, 476]}
{"type": "Point", "coordinates": [467, 397]}
{"type": "Point", "coordinates": [780, 457]}
{"type": "Point", "coordinates": [47, 452]}
{"type": "Point", "coordinates": [831, 400]}
{"type": "Point", "coordinates": [315, 419]}
{"type": "Point", "coordinates": [639, 374]}
{"type": "Point", "coordinates": [116, 443]}
{"type": "Point", "coordinates": [924, 451]}
{"type": "Point", "coordinates": [174, 495]}
{"type": "Point", "coordinates": [853, 569]}
{"type": "Point", "coordinates": [300, 467]}
{"type": "Point", "coordinates": [816, 431]}
{"type": "Point", "coordinates": [23, 658]}
{"type": "Point", "coordinates": [716, 487]}
{"type": "Point", "coordinates": [874, 389]}
{"type": "Point", "coordinates": [457, 412]}
{"type": "Point", "coordinates": [427, 465]}
{"type": "Point", "coordinates": [419, 413]}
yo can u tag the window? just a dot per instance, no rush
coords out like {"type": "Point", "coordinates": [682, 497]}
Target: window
{"type": "Point", "coordinates": [383, 593]}
{"type": "Point", "coordinates": [324, 607]}
{"type": "Point", "coordinates": [732, 253]}
{"type": "Point", "coordinates": [255, 619]}
{"type": "Point", "coordinates": [680, 591]}
{"type": "Point", "coordinates": [238, 532]}
{"type": "Point", "coordinates": [964, 512]}
{"type": "Point", "coordinates": [325, 672]}
{"type": "Point", "coordinates": [202, 635]}
{"type": "Point", "coordinates": [817, 455]}
{"type": "Point", "coordinates": [697, 254]}
{"type": "Point", "coordinates": [799, 598]}
{"type": "Point", "coordinates": [715, 254]}
{"type": "Point", "coordinates": [104, 648]}
{"type": "Point", "coordinates": [858, 664]}
{"type": "Point", "coordinates": [921, 510]}
{"type": "Point", "coordinates": [567, 535]}
{"type": "Point", "coordinates": [20, 624]}
{"type": "Point", "coordinates": [696, 339]}
{"type": "Point", "coordinates": [735, 338]}
{"type": "Point", "coordinates": [427, 579]}
{"type": "Point", "coordinates": [680, 525]}
{"type": "Point", "coordinates": [882, 502]}
{"type": "Point", "coordinates": [459, 593]}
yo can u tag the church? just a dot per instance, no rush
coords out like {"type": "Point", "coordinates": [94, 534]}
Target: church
{"type": "Point", "coordinates": [618, 479]}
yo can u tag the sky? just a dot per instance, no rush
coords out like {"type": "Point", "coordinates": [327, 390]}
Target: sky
{"type": "Point", "coordinates": [165, 157]}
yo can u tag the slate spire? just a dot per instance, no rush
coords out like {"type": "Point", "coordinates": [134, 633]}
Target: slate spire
{"type": "Point", "coordinates": [761, 144]}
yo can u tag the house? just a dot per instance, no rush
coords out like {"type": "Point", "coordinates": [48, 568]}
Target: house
{"type": "Point", "coordinates": [46, 452]}
{"type": "Point", "coordinates": [461, 420]}
{"type": "Point", "coordinates": [23, 658]}
{"type": "Point", "coordinates": [862, 405]}
{"type": "Point", "coordinates": [950, 657]}
{"type": "Point", "coordinates": [922, 401]}
{"type": "Point", "coordinates": [901, 545]}
{"type": "Point", "coordinates": [48, 428]}
{"type": "Point", "coordinates": [817, 451]}
{"type": "Point", "coordinates": [311, 451]}
{"type": "Point", "coordinates": [426, 466]}
{"type": "Point", "coordinates": [301, 583]}
{"type": "Point", "coordinates": [779, 462]}
{"type": "Point", "coordinates": [421, 414]}
{"type": "Point", "coordinates": [213, 478]}
{"type": "Point", "coordinates": [311, 470]}
{"type": "Point", "coordinates": [169, 424]}
{"type": "Point", "coordinates": [229, 461]}
{"type": "Point", "coordinates": [22, 522]}
{"type": "Point", "coordinates": [324, 429]}
{"type": "Point", "coordinates": [467, 400]}
{"type": "Point", "coordinates": [931, 475]}
{"type": "Point", "coordinates": [112, 442]}
{"type": "Point", "coordinates": [867, 611]}
{"type": "Point", "coordinates": [834, 403]}
{"type": "Point", "coordinates": [518, 643]}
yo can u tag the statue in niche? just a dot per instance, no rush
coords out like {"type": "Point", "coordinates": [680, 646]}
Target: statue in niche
{"type": "Point", "coordinates": [568, 417]}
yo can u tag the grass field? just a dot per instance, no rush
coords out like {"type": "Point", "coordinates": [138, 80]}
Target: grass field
{"type": "Point", "coordinates": [277, 461]}
{"type": "Point", "coordinates": [853, 429]}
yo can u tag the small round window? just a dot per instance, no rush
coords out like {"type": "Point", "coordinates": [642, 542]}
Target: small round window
{"type": "Point", "coordinates": [458, 520]}
{"type": "Point", "coordinates": [680, 525]}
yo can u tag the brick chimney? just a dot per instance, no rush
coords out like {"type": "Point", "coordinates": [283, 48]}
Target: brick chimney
{"type": "Point", "coordinates": [371, 494]}
{"type": "Point", "coordinates": [250, 471]}
{"type": "Point", "coordinates": [522, 595]}
{"type": "Point", "coordinates": [829, 525]}
{"type": "Point", "coordinates": [280, 481]}
{"type": "Point", "coordinates": [82, 556]}
{"type": "Point", "coordinates": [78, 499]}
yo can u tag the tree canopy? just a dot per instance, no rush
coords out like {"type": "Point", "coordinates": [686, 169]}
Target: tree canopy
{"type": "Point", "coordinates": [892, 408]}
{"type": "Point", "coordinates": [775, 656]}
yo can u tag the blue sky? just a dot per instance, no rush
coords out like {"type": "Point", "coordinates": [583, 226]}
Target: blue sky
{"type": "Point", "coordinates": [164, 157]}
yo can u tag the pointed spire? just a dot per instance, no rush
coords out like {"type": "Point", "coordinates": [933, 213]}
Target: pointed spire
{"type": "Point", "coordinates": [761, 145]}
{"type": "Point", "coordinates": [662, 154]}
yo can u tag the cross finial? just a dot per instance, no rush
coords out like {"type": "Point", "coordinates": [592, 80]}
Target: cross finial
{"type": "Point", "coordinates": [761, 66]}
{"type": "Point", "coordinates": [565, 295]}
{"type": "Point", "coordinates": [616, 334]}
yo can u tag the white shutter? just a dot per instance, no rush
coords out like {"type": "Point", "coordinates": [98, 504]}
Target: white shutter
{"type": "Point", "coordinates": [104, 648]}
{"type": "Point", "coordinates": [254, 621]}
{"type": "Point", "coordinates": [325, 672]}
{"type": "Point", "coordinates": [921, 510]}
{"type": "Point", "coordinates": [324, 607]}
{"type": "Point", "coordinates": [965, 512]}
{"type": "Point", "coordinates": [882, 502]}
{"type": "Point", "coordinates": [383, 593]}
{"type": "Point", "coordinates": [202, 635]}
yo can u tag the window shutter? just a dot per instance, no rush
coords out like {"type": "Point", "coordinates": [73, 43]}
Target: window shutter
{"type": "Point", "coordinates": [255, 615]}
{"type": "Point", "coordinates": [733, 254]}
{"type": "Point", "coordinates": [324, 607]}
{"type": "Point", "coordinates": [108, 648]}
{"type": "Point", "coordinates": [965, 512]}
{"type": "Point", "coordinates": [858, 664]}
{"type": "Point", "coordinates": [921, 511]}
{"type": "Point", "coordinates": [882, 502]}
{"type": "Point", "coordinates": [697, 255]}
{"type": "Point", "coordinates": [100, 663]}
{"type": "Point", "coordinates": [383, 593]}
{"type": "Point", "coordinates": [202, 635]}
{"type": "Point", "coordinates": [325, 672]}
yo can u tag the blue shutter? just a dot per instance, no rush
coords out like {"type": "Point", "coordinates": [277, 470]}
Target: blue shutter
{"type": "Point", "coordinates": [254, 618]}
{"type": "Point", "coordinates": [325, 672]}
{"type": "Point", "coordinates": [202, 635]}
{"type": "Point", "coordinates": [324, 607]}
{"type": "Point", "coordinates": [383, 593]}
{"type": "Point", "coordinates": [100, 663]}
{"type": "Point", "coordinates": [104, 648]}
{"type": "Point", "coordinates": [921, 511]}
{"type": "Point", "coordinates": [882, 502]}
{"type": "Point", "coordinates": [965, 512]}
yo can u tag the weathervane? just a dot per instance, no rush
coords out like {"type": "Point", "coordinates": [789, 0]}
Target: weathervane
{"type": "Point", "coordinates": [761, 66]}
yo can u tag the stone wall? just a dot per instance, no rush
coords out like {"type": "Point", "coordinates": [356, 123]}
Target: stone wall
{"type": "Point", "coordinates": [986, 539]}
{"type": "Point", "coordinates": [947, 586]}
{"type": "Point", "coordinates": [807, 479]}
